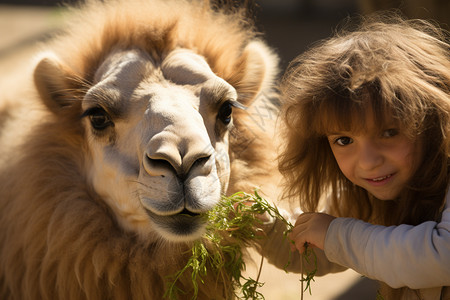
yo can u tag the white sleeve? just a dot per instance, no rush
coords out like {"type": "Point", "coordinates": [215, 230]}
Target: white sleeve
{"type": "Point", "coordinates": [413, 256]}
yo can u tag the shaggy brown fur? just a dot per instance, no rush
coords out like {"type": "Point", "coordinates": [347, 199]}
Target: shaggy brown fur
{"type": "Point", "coordinates": [58, 238]}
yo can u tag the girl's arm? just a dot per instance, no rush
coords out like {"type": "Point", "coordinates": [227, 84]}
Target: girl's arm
{"type": "Point", "coordinates": [413, 256]}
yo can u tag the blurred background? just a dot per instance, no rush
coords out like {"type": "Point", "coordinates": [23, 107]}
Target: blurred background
{"type": "Point", "coordinates": [293, 25]}
{"type": "Point", "coordinates": [290, 27]}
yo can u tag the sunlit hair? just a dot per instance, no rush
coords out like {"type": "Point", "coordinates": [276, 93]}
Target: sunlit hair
{"type": "Point", "coordinates": [396, 68]}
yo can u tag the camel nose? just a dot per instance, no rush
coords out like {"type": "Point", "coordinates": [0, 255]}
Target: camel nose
{"type": "Point", "coordinates": [167, 153]}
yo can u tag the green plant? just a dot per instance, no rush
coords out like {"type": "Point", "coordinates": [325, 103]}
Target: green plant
{"type": "Point", "coordinates": [232, 225]}
{"type": "Point", "coordinates": [307, 277]}
{"type": "Point", "coordinates": [379, 296]}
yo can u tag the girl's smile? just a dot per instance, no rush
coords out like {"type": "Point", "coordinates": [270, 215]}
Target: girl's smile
{"type": "Point", "coordinates": [380, 160]}
{"type": "Point", "coordinates": [380, 180]}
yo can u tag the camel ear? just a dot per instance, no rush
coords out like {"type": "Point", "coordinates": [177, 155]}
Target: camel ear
{"type": "Point", "coordinates": [261, 72]}
{"type": "Point", "coordinates": [55, 84]}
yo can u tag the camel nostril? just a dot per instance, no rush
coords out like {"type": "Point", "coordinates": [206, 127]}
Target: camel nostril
{"type": "Point", "coordinates": [164, 160]}
{"type": "Point", "coordinates": [160, 163]}
{"type": "Point", "coordinates": [158, 167]}
{"type": "Point", "coordinates": [201, 161]}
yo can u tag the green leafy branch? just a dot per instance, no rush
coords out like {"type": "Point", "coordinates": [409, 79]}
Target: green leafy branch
{"type": "Point", "coordinates": [307, 277]}
{"type": "Point", "coordinates": [232, 225]}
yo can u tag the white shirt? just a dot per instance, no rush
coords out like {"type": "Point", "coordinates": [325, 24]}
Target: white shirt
{"type": "Point", "coordinates": [404, 255]}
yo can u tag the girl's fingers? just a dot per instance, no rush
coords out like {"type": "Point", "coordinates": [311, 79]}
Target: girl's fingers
{"type": "Point", "coordinates": [300, 247]}
{"type": "Point", "coordinates": [297, 233]}
{"type": "Point", "coordinates": [298, 240]}
{"type": "Point", "coordinates": [310, 228]}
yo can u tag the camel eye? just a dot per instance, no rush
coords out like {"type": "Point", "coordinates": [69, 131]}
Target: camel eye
{"type": "Point", "coordinates": [225, 111]}
{"type": "Point", "coordinates": [99, 118]}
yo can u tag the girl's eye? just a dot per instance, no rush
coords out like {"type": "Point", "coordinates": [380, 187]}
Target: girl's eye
{"type": "Point", "coordinates": [390, 133]}
{"type": "Point", "coordinates": [98, 117]}
{"type": "Point", "coordinates": [343, 141]}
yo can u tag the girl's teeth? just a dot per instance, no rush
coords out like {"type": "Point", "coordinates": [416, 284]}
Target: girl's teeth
{"type": "Point", "coordinates": [381, 178]}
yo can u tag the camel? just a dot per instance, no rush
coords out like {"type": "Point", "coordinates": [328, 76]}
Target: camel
{"type": "Point", "coordinates": [123, 133]}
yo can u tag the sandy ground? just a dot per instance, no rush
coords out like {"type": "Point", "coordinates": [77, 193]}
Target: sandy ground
{"type": "Point", "coordinates": [279, 285]}
{"type": "Point", "coordinates": [21, 30]}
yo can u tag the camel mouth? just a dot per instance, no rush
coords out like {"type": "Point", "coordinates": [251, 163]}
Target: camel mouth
{"type": "Point", "coordinates": [186, 212]}
{"type": "Point", "coordinates": [181, 227]}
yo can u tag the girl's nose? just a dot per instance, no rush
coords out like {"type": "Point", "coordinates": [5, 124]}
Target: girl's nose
{"type": "Point", "coordinates": [370, 155]}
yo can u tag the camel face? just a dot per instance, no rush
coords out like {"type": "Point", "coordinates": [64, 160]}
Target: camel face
{"type": "Point", "coordinates": [158, 134]}
{"type": "Point", "coordinates": [120, 136]}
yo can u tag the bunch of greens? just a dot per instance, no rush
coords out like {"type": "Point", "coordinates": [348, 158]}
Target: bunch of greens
{"type": "Point", "coordinates": [232, 225]}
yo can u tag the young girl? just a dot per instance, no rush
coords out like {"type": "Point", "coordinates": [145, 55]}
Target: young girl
{"type": "Point", "coordinates": [367, 138]}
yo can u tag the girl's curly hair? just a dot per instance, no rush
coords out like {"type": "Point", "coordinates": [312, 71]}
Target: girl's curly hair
{"type": "Point", "coordinates": [393, 66]}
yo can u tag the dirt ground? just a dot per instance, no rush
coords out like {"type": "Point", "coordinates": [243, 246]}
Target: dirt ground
{"type": "Point", "coordinates": [23, 27]}
{"type": "Point", "coordinates": [279, 285]}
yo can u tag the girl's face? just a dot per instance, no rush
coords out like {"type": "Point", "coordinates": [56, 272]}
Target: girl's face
{"type": "Point", "coordinates": [380, 160]}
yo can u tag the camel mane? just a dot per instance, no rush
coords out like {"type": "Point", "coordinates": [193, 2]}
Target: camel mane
{"type": "Point", "coordinates": [156, 27]}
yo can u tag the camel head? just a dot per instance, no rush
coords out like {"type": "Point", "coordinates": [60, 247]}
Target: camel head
{"type": "Point", "coordinates": [156, 137]}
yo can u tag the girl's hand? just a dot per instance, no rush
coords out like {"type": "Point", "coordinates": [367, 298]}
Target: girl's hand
{"type": "Point", "coordinates": [310, 228]}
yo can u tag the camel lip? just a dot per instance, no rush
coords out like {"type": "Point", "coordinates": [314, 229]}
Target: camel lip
{"type": "Point", "coordinates": [182, 226]}
{"type": "Point", "coordinates": [186, 212]}
{"type": "Point", "coordinates": [153, 208]}
{"type": "Point", "coordinates": [182, 218]}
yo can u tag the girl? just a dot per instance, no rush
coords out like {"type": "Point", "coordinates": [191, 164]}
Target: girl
{"type": "Point", "coordinates": [368, 138]}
